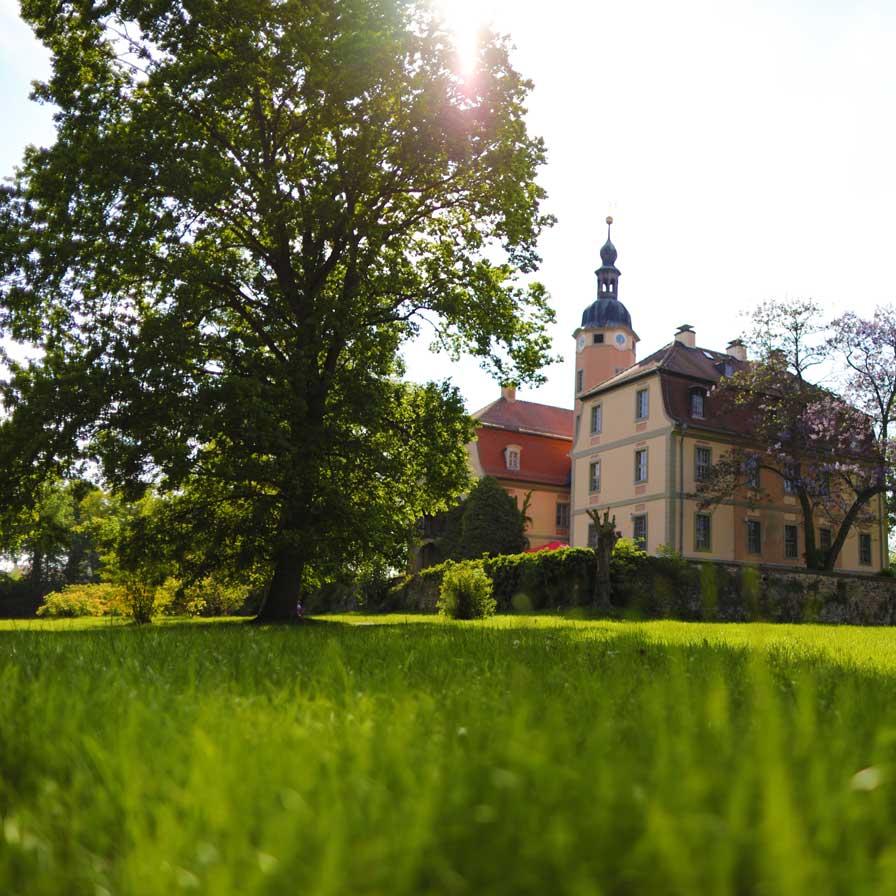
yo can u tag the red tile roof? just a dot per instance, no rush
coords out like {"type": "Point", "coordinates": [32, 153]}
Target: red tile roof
{"type": "Point", "coordinates": [528, 416]}
{"type": "Point", "coordinates": [543, 459]}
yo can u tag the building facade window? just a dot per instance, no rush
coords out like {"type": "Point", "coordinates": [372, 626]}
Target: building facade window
{"type": "Point", "coordinates": [598, 338]}
{"type": "Point", "coordinates": [641, 465]}
{"type": "Point", "coordinates": [639, 530]}
{"type": "Point", "coordinates": [562, 515]}
{"type": "Point", "coordinates": [597, 419]}
{"type": "Point", "coordinates": [512, 457]}
{"type": "Point", "coordinates": [751, 472]}
{"type": "Point", "coordinates": [791, 547]}
{"type": "Point", "coordinates": [698, 403]}
{"type": "Point", "coordinates": [642, 404]}
{"type": "Point", "coordinates": [824, 539]}
{"type": "Point", "coordinates": [580, 376]}
{"type": "Point", "coordinates": [754, 537]}
{"type": "Point", "coordinates": [592, 535]}
{"type": "Point", "coordinates": [791, 478]}
{"type": "Point", "coordinates": [702, 463]}
{"type": "Point", "coordinates": [702, 532]}
{"type": "Point", "coordinates": [865, 548]}
{"type": "Point", "coordinates": [594, 477]}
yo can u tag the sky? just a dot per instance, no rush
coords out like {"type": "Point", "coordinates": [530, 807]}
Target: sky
{"type": "Point", "coordinates": [747, 151]}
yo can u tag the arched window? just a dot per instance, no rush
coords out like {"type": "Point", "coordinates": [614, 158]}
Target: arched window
{"type": "Point", "coordinates": [512, 457]}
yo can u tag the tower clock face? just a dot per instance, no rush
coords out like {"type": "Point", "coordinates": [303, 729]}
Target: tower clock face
{"type": "Point", "coordinates": [581, 342]}
{"type": "Point", "coordinates": [620, 339]}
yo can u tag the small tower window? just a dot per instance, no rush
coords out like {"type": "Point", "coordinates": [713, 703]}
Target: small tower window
{"type": "Point", "coordinates": [598, 338]}
{"type": "Point", "coordinates": [580, 375]}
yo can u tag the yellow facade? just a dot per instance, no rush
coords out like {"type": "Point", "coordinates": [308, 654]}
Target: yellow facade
{"type": "Point", "coordinates": [663, 496]}
{"type": "Point", "coordinates": [543, 525]}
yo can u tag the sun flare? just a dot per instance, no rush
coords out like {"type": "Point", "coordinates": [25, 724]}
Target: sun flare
{"type": "Point", "coordinates": [465, 19]}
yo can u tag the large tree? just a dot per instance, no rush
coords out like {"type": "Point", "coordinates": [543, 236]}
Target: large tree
{"type": "Point", "coordinates": [825, 451]}
{"type": "Point", "coordinates": [249, 208]}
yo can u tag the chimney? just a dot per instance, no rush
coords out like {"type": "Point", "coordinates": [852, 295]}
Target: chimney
{"type": "Point", "coordinates": [737, 349]}
{"type": "Point", "coordinates": [508, 393]}
{"type": "Point", "coordinates": [686, 336]}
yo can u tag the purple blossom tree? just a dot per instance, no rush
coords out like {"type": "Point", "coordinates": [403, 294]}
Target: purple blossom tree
{"type": "Point", "coordinates": [828, 452]}
{"type": "Point", "coordinates": [867, 352]}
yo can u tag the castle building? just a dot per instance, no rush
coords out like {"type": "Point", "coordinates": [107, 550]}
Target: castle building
{"type": "Point", "coordinates": [645, 434]}
{"type": "Point", "coordinates": [641, 436]}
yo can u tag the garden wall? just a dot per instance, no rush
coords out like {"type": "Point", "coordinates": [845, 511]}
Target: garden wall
{"type": "Point", "coordinates": [669, 587]}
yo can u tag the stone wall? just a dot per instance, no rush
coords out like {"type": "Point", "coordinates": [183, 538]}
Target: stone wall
{"type": "Point", "coordinates": [729, 592]}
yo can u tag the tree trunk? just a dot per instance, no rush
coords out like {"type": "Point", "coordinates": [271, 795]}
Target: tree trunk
{"type": "Point", "coordinates": [284, 590]}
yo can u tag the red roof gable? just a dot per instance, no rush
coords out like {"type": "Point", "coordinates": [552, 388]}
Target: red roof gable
{"type": "Point", "coordinates": [528, 416]}
{"type": "Point", "coordinates": [543, 459]}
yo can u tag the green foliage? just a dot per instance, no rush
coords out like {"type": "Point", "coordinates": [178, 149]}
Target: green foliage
{"type": "Point", "coordinates": [491, 523]}
{"type": "Point", "coordinates": [84, 600]}
{"type": "Point", "coordinates": [466, 593]}
{"type": "Point", "coordinates": [213, 596]}
{"type": "Point", "coordinates": [516, 755]}
{"type": "Point", "coordinates": [238, 227]}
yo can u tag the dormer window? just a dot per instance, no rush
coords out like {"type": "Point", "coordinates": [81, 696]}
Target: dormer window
{"type": "Point", "coordinates": [512, 457]}
{"type": "Point", "coordinates": [698, 403]}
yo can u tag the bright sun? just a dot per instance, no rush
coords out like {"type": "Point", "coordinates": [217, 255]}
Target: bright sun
{"type": "Point", "coordinates": [465, 19]}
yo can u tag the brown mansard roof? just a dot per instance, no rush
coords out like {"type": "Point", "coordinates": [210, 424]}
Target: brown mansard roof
{"type": "Point", "coordinates": [681, 369]}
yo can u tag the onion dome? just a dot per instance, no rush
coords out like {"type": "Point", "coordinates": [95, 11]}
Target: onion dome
{"type": "Point", "coordinates": [607, 310]}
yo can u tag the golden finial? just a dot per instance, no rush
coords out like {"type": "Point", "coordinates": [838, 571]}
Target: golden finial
{"type": "Point", "coordinates": [609, 219]}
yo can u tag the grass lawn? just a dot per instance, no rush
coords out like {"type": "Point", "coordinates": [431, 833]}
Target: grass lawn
{"type": "Point", "coordinates": [408, 755]}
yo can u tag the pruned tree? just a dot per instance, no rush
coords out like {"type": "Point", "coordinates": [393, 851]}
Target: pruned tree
{"type": "Point", "coordinates": [248, 210]}
{"type": "Point", "coordinates": [826, 452]}
{"type": "Point", "coordinates": [605, 538]}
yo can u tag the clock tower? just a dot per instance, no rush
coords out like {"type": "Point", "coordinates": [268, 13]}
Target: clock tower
{"type": "Point", "coordinates": [605, 342]}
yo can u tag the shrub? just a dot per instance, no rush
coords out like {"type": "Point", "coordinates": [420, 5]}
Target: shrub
{"type": "Point", "coordinates": [212, 596]}
{"type": "Point", "coordinates": [491, 522]}
{"type": "Point", "coordinates": [83, 600]}
{"type": "Point", "coordinates": [466, 593]}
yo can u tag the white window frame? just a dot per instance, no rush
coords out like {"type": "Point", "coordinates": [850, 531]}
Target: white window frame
{"type": "Point", "coordinates": [641, 468]}
{"type": "Point", "coordinates": [513, 457]}
{"type": "Point", "coordinates": [701, 394]}
{"type": "Point", "coordinates": [698, 467]}
{"type": "Point", "coordinates": [597, 418]}
{"type": "Point", "coordinates": [594, 481]}
{"type": "Point", "coordinates": [638, 409]}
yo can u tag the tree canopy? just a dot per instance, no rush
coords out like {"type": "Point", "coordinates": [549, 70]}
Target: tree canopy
{"type": "Point", "coordinates": [249, 208]}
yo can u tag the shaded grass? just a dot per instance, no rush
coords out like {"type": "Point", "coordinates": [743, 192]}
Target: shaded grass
{"type": "Point", "coordinates": [522, 755]}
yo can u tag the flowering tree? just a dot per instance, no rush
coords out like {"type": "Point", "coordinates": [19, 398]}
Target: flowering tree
{"type": "Point", "coordinates": [867, 349]}
{"type": "Point", "coordinates": [827, 452]}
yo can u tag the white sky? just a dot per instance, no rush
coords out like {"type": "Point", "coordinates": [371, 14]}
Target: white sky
{"type": "Point", "coordinates": [747, 151]}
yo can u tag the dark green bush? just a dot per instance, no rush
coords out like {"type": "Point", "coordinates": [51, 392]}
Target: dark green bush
{"type": "Point", "coordinates": [466, 593]}
{"type": "Point", "coordinates": [491, 523]}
